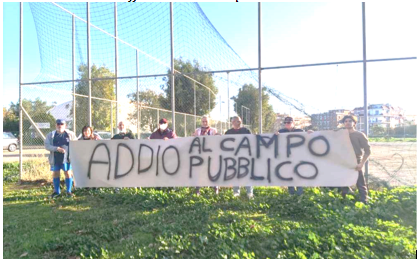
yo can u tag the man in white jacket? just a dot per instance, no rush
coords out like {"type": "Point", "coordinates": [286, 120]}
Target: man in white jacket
{"type": "Point", "coordinates": [57, 142]}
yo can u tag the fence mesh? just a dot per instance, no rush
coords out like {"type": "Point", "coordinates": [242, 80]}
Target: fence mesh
{"type": "Point", "coordinates": [143, 49]}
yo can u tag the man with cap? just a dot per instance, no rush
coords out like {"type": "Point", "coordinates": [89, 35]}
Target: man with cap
{"type": "Point", "coordinates": [163, 132]}
{"type": "Point", "coordinates": [57, 142]}
{"type": "Point", "coordinates": [122, 132]}
{"type": "Point", "coordinates": [289, 126]}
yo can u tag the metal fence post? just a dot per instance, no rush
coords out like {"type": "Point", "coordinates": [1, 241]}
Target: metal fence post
{"type": "Point", "coordinates": [88, 61]}
{"type": "Point", "coordinates": [173, 97]}
{"type": "Point", "coordinates": [185, 132]}
{"type": "Point", "coordinates": [73, 77]}
{"type": "Point", "coordinates": [229, 118]}
{"type": "Point", "coordinates": [366, 122]}
{"type": "Point", "coordinates": [194, 102]}
{"type": "Point", "coordinates": [260, 90]}
{"type": "Point", "coordinates": [116, 61]}
{"type": "Point", "coordinates": [138, 120]}
{"type": "Point", "coordinates": [20, 94]}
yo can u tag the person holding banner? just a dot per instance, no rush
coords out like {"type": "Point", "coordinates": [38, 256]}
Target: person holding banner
{"type": "Point", "coordinates": [57, 142]}
{"type": "Point", "coordinates": [163, 132]}
{"type": "Point", "coordinates": [88, 134]}
{"type": "Point", "coordinates": [122, 132]}
{"type": "Point", "coordinates": [360, 143]}
{"type": "Point", "coordinates": [237, 129]}
{"type": "Point", "coordinates": [289, 126]}
{"type": "Point", "coordinates": [205, 129]}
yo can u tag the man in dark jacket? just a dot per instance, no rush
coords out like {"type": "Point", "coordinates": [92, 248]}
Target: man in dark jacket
{"type": "Point", "coordinates": [163, 132]}
{"type": "Point", "coordinates": [122, 132]}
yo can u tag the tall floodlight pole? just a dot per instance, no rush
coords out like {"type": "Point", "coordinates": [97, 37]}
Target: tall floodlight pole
{"type": "Point", "coordinates": [138, 120]}
{"type": "Point", "coordinates": [88, 60]}
{"type": "Point", "coordinates": [366, 120]}
{"type": "Point", "coordinates": [260, 90]}
{"type": "Point", "coordinates": [73, 76]}
{"type": "Point", "coordinates": [220, 110]}
{"type": "Point", "coordinates": [20, 93]}
{"type": "Point", "coordinates": [173, 97]}
{"type": "Point", "coordinates": [116, 62]}
{"type": "Point", "coordinates": [227, 74]}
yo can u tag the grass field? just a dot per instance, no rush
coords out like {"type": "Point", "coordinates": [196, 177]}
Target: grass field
{"type": "Point", "coordinates": [149, 223]}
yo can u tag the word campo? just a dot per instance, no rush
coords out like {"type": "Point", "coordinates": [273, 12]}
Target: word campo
{"type": "Point", "coordinates": [226, 165]}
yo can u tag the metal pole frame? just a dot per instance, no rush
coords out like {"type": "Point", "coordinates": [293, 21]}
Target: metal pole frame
{"type": "Point", "coordinates": [260, 89]}
{"type": "Point", "coordinates": [173, 97]}
{"type": "Point", "coordinates": [73, 77]}
{"type": "Point", "coordinates": [20, 93]}
{"type": "Point", "coordinates": [194, 103]}
{"type": "Point", "coordinates": [229, 118]}
{"type": "Point", "coordinates": [138, 112]}
{"type": "Point", "coordinates": [366, 122]}
{"type": "Point", "coordinates": [116, 61]}
{"type": "Point", "coordinates": [220, 110]}
{"type": "Point", "coordinates": [88, 61]}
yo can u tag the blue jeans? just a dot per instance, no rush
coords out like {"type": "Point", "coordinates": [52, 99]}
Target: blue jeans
{"type": "Point", "coordinates": [292, 190]}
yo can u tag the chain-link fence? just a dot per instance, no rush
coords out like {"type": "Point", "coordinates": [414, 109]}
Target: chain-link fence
{"type": "Point", "coordinates": [119, 70]}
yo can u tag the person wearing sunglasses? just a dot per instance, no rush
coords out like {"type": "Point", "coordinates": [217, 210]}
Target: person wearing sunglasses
{"type": "Point", "coordinates": [57, 142]}
{"type": "Point", "coordinates": [289, 126]}
{"type": "Point", "coordinates": [163, 132]}
{"type": "Point", "coordinates": [362, 150]}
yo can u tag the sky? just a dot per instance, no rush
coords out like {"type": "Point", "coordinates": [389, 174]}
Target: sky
{"type": "Point", "coordinates": [292, 34]}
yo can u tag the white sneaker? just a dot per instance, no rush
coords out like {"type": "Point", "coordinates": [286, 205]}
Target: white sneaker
{"type": "Point", "coordinates": [250, 196]}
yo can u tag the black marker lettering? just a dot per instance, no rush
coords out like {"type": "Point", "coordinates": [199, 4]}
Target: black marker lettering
{"type": "Point", "coordinates": [117, 161]}
{"type": "Point", "coordinates": [262, 142]}
{"type": "Point", "coordinates": [203, 146]}
{"type": "Point", "coordinates": [242, 145]}
{"type": "Point", "coordinates": [139, 158]}
{"type": "Point", "coordinates": [278, 171]}
{"type": "Point", "coordinates": [232, 167]}
{"type": "Point", "coordinates": [178, 160]}
{"type": "Point", "coordinates": [216, 177]}
{"type": "Point", "coordinates": [245, 166]}
{"type": "Point", "coordinates": [253, 176]}
{"type": "Point", "coordinates": [292, 145]}
{"type": "Point", "coordinates": [91, 162]}
{"type": "Point", "coordinates": [226, 148]}
{"type": "Point", "coordinates": [197, 140]}
{"type": "Point", "coordinates": [306, 163]}
{"type": "Point", "coordinates": [158, 152]}
{"type": "Point", "coordinates": [268, 170]}
{"type": "Point", "coordinates": [312, 141]}
{"type": "Point", "coordinates": [200, 161]}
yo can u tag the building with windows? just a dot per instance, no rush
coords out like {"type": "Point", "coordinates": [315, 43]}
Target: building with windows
{"type": "Point", "coordinates": [328, 120]}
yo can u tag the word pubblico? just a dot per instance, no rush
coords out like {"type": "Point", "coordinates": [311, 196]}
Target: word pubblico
{"type": "Point", "coordinates": [299, 159]}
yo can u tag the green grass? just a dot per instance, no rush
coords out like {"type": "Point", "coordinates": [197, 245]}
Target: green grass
{"type": "Point", "coordinates": [151, 223]}
{"type": "Point", "coordinates": [391, 139]}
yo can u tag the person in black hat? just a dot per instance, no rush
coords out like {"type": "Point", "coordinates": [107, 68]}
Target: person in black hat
{"type": "Point", "coordinates": [57, 142]}
{"type": "Point", "coordinates": [163, 132]}
{"type": "Point", "coordinates": [122, 132]}
{"type": "Point", "coordinates": [289, 126]}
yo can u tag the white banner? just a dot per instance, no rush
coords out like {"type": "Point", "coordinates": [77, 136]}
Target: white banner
{"type": "Point", "coordinates": [323, 158]}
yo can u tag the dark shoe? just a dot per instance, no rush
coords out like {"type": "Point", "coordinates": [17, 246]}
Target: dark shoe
{"type": "Point", "coordinates": [70, 194]}
{"type": "Point", "coordinates": [54, 195]}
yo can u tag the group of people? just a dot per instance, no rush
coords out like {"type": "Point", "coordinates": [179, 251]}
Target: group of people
{"type": "Point", "coordinates": [57, 143]}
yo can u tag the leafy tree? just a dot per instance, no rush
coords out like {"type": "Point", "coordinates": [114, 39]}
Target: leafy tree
{"type": "Point", "coordinates": [184, 89]}
{"type": "Point", "coordinates": [377, 130]}
{"type": "Point", "coordinates": [10, 120]}
{"type": "Point", "coordinates": [148, 116]}
{"type": "Point", "coordinates": [105, 89]}
{"type": "Point", "coordinates": [248, 97]}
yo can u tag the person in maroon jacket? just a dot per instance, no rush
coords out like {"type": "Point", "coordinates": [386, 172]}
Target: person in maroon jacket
{"type": "Point", "coordinates": [163, 132]}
